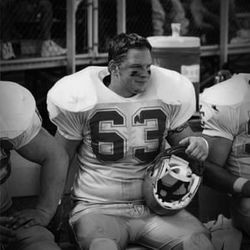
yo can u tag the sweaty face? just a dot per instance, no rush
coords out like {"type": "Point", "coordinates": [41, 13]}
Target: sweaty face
{"type": "Point", "coordinates": [135, 72]}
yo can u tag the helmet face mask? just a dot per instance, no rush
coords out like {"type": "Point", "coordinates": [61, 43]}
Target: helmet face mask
{"type": "Point", "coordinates": [170, 184]}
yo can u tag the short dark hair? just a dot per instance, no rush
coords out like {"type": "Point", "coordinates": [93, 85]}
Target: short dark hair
{"type": "Point", "coordinates": [121, 43]}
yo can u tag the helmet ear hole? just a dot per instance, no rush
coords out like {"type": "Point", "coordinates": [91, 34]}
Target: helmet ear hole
{"type": "Point", "coordinates": [176, 170]}
{"type": "Point", "coordinates": [170, 184]}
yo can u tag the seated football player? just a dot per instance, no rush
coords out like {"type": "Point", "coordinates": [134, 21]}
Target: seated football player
{"type": "Point", "coordinates": [225, 108]}
{"type": "Point", "coordinates": [21, 130]}
{"type": "Point", "coordinates": [116, 119]}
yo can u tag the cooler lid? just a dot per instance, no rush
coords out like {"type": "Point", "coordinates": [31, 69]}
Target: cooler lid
{"type": "Point", "coordinates": [174, 41]}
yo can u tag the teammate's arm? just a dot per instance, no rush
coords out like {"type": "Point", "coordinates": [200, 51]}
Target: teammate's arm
{"type": "Point", "coordinates": [216, 174]}
{"type": "Point", "coordinates": [46, 151]}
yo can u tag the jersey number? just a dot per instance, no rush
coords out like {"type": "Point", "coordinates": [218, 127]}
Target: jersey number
{"type": "Point", "coordinates": [247, 145]}
{"type": "Point", "coordinates": [117, 141]}
{"type": "Point", "coordinates": [243, 149]}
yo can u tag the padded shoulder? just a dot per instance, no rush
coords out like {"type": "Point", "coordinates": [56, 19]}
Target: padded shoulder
{"type": "Point", "coordinates": [76, 92]}
{"type": "Point", "coordinates": [230, 92]}
{"type": "Point", "coordinates": [172, 87]}
{"type": "Point", "coordinates": [17, 108]}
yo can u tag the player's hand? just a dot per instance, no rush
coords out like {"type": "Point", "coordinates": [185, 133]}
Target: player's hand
{"type": "Point", "coordinates": [30, 217]}
{"type": "Point", "coordinates": [7, 234]}
{"type": "Point", "coordinates": [197, 147]}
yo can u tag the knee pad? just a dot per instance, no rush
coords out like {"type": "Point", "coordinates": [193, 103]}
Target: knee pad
{"type": "Point", "coordinates": [103, 244]}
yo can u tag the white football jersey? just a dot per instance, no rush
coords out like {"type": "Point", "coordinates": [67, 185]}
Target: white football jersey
{"type": "Point", "coordinates": [19, 124]}
{"type": "Point", "coordinates": [120, 136]}
{"type": "Point", "coordinates": [225, 108]}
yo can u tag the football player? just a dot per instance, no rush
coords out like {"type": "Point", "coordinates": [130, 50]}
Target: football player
{"type": "Point", "coordinates": [116, 119]}
{"type": "Point", "coordinates": [225, 108]}
{"type": "Point", "coordinates": [20, 130]}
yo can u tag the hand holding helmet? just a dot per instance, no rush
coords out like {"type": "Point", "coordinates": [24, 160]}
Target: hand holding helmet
{"type": "Point", "coordinates": [171, 182]}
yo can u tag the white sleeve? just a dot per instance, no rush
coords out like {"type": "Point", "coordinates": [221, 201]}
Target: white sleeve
{"type": "Point", "coordinates": [69, 124]}
{"type": "Point", "coordinates": [184, 111]}
{"type": "Point", "coordinates": [219, 120]}
{"type": "Point", "coordinates": [29, 133]}
{"type": "Point", "coordinates": [177, 93]}
{"type": "Point", "coordinates": [67, 104]}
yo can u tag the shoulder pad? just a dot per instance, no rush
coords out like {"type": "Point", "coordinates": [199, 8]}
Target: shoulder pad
{"type": "Point", "coordinates": [76, 92]}
{"type": "Point", "coordinates": [229, 92]}
{"type": "Point", "coordinates": [17, 108]}
{"type": "Point", "coordinates": [172, 87]}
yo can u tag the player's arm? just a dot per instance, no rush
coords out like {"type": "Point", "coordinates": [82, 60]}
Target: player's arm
{"type": "Point", "coordinates": [216, 174]}
{"type": "Point", "coordinates": [197, 146]}
{"type": "Point", "coordinates": [46, 151]}
{"type": "Point", "coordinates": [70, 146]}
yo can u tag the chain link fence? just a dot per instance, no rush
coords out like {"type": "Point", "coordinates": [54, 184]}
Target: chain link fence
{"type": "Point", "coordinates": [26, 24]}
{"type": "Point", "coordinates": [32, 27]}
{"type": "Point", "coordinates": [38, 27]}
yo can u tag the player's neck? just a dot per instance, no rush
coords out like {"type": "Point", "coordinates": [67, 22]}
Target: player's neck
{"type": "Point", "coordinates": [117, 87]}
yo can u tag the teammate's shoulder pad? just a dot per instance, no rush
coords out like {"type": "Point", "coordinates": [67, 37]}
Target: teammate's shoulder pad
{"type": "Point", "coordinates": [17, 108]}
{"type": "Point", "coordinates": [229, 92]}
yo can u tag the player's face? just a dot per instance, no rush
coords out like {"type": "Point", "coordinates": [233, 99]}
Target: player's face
{"type": "Point", "coordinates": [135, 72]}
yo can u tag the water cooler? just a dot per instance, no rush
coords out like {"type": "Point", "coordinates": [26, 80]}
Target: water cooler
{"type": "Point", "coordinates": [179, 53]}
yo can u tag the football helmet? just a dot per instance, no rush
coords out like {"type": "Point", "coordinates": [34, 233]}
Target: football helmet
{"type": "Point", "coordinates": [171, 181]}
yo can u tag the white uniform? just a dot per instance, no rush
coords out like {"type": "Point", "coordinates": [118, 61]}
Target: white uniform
{"type": "Point", "coordinates": [19, 124]}
{"type": "Point", "coordinates": [121, 136]}
{"type": "Point", "coordinates": [225, 109]}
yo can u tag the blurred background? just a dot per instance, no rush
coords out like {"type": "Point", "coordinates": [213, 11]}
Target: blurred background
{"type": "Point", "coordinates": [42, 40]}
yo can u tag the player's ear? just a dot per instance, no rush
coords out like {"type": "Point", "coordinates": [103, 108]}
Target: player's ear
{"type": "Point", "coordinates": [112, 67]}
